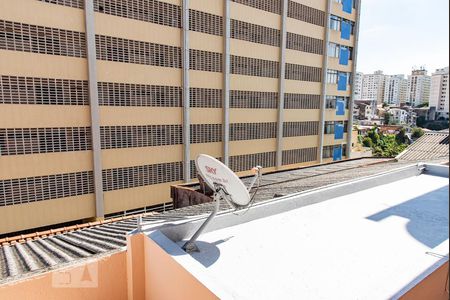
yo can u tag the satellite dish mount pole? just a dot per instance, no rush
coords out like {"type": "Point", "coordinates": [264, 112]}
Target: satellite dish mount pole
{"type": "Point", "coordinates": [219, 194]}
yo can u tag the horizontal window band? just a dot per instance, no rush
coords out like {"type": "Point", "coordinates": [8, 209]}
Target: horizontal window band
{"type": "Point", "coordinates": [296, 156]}
{"type": "Point", "coordinates": [70, 3]}
{"type": "Point", "coordinates": [241, 163]}
{"type": "Point", "coordinates": [43, 91]}
{"type": "Point", "coordinates": [252, 131]}
{"type": "Point", "coordinates": [132, 177]}
{"type": "Point", "coordinates": [44, 40]}
{"type": "Point", "coordinates": [23, 141]}
{"type": "Point", "coordinates": [294, 129]}
{"type": "Point", "coordinates": [35, 189]}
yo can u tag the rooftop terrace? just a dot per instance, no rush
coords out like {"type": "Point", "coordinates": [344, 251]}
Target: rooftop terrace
{"type": "Point", "coordinates": [382, 235]}
{"type": "Point", "coordinates": [372, 244]}
{"type": "Point", "coordinates": [37, 254]}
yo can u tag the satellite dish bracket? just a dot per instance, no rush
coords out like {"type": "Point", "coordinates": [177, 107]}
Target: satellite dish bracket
{"type": "Point", "coordinates": [226, 186]}
{"type": "Point", "coordinates": [219, 193]}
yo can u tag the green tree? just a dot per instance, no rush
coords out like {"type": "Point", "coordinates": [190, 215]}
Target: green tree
{"type": "Point", "coordinates": [386, 145]}
{"type": "Point", "coordinates": [417, 133]}
{"type": "Point", "coordinates": [437, 125]}
{"type": "Point", "coordinates": [425, 104]}
{"type": "Point", "coordinates": [373, 135]}
{"type": "Point", "coordinates": [367, 142]}
{"type": "Point", "coordinates": [401, 137]}
{"type": "Point", "coordinates": [421, 121]}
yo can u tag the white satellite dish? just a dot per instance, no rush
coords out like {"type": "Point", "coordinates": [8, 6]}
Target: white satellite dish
{"type": "Point", "coordinates": [226, 186]}
{"type": "Point", "coordinates": [216, 174]}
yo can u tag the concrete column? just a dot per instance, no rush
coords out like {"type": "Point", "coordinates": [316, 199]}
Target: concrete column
{"type": "Point", "coordinates": [226, 82]}
{"type": "Point", "coordinates": [95, 110]}
{"type": "Point", "coordinates": [282, 82]}
{"type": "Point", "coordinates": [354, 69]}
{"type": "Point", "coordinates": [323, 99]}
{"type": "Point", "coordinates": [186, 94]}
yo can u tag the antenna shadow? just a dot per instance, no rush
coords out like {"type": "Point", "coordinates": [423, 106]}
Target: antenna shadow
{"type": "Point", "coordinates": [209, 252]}
{"type": "Point", "coordinates": [427, 214]}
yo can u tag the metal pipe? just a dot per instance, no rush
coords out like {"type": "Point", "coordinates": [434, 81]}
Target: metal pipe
{"type": "Point", "coordinates": [190, 246]}
{"type": "Point", "coordinates": [258, 175]}
{"type": "Point", "coordinates": [94, 106]}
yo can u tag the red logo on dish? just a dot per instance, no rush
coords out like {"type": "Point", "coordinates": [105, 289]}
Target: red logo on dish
{"type": "Point", "coordinates": [211, 170]}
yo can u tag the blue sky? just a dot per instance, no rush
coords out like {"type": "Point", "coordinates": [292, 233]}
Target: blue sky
{"type": "Point", "coordinates": [399, 34]}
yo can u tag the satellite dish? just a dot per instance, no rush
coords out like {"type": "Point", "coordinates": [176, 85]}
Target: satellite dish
{"type": "Point", "coordinates": [226, 186]}
{"type": "Point", "coordinates": [216, 174]}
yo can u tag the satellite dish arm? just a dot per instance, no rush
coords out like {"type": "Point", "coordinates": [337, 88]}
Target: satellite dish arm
{"type": "Point", "coordinates": [190, 246]}
{"type": "Point", "coordinates": [258, 174]}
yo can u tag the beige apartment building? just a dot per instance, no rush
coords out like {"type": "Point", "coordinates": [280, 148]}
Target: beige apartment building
{"type": "Point", "coordinates": [106, 103]}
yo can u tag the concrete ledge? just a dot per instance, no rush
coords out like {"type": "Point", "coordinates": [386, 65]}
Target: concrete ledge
{"type": "Point", "coordinates": [437, 170]}
{"type": "Point", "coordinates": [184, 229]}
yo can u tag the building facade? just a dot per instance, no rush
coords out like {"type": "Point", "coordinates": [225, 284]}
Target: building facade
{"type": "Point", "coordinates": [364, 110]}
{"type": "Point", "coordinates": [439, 96]}
{"type": "Point", "coordinates": [399, 116]}
{"type": "Point", "coordinates": [358, 85]}
{"type": "Point", "coordinates": [373, 87]}
{"type": "Point", "coordinates": [419, 85]}
{"type": "Point", "coordinates": [104, 104]}
{"type": "Point", "coordinates": [395, 90]}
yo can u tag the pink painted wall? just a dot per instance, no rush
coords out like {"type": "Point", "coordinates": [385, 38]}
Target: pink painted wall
{"type": "Point", "coordinates": [434, 287]}
{"type": "Point", "coordinates": [105, 278]}
{"type": "Point", "coordinates": [166, 279]}
{"type": "Point", "coordinates": [135, 267]}
{"type": "Point", "coordinates": [145, 271]}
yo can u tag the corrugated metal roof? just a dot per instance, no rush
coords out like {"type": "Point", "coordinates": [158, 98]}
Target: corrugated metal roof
{"type": "Point", "coordinates": [21, 260]}
{"type": "Point", "coordinates": [430, 146]}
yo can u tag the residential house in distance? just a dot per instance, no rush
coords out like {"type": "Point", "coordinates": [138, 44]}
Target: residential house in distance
{"type": "Point", "coordinates": [403, 115]}
{"type": "Point", "coordinates": [364, 110]}
{"type": "Point", "coordinates": [399, 116]}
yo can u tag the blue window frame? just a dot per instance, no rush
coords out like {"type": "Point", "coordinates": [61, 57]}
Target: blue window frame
{"type": "Point", "coordinates": [346, 30]}
{"type": "Point", "coordinates": [347, 6]}
{"type": "Point", "coordinates": [344, 56]}
{"type": "Point", "coordinates": [340, 107]}
{"type": "Point", "coordinates": [337, 153]}
{"type": "Point", "coordinates": [338, 131]}
{"type": "Point", "coordinates": [342, 82]}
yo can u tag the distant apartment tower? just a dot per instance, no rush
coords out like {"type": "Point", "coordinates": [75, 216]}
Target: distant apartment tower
{"type": "Point", "coordinates": [419, 85]}
{"type": "Point", "coordinates": [439, 96]}
{"type": "Point", "coordinates": [395, 90]}
{"type": "Point", "coordinates": [373, 87]}
{"type": "Point", "coordinates": [104, 104]}
{"type": "Point", "coordinates": [358, 86]}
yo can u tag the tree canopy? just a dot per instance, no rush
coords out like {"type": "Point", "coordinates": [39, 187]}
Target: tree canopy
{"type": "Point", "coordinates": [385, 145]}
{"type": "Point", "coordinates": [417, 133]}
